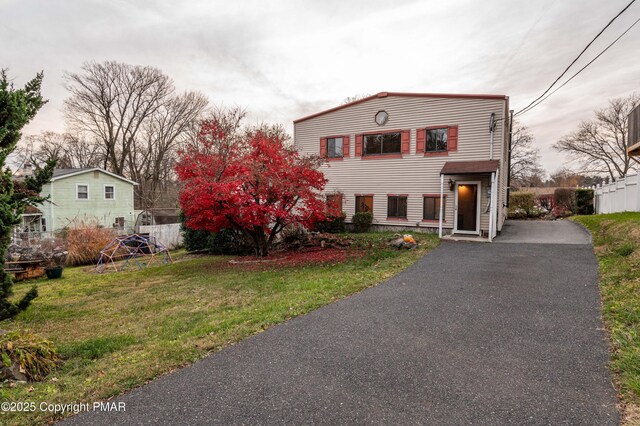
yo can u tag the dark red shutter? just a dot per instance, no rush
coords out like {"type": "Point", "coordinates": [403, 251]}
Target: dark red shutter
{"type": "Point", "coordinates": [345, 146]}
{"type": "Point", "coordinates": [323, 147]}
{"type": "Point", "coordinates": [359, 145]}
{"type": "Point", "coordinates": [452, 141]}
{"type": "Point", "coordinates": [421, 137]}
{"type": "Point", "coordinates": [405, 141]}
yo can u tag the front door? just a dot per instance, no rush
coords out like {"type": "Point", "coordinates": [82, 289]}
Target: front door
{"type": "Point", "coordinates": [467, 208]}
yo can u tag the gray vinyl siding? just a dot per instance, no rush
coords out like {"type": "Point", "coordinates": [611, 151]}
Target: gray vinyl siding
{"type": "Point", "coordinates": [414, 174]}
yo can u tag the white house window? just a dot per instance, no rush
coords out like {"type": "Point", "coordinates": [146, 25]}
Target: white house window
{"type": "Point", "coordinates": [334, 147]}
{"type": "Point", "coordinates": [109, 192]}
{"type": "Point", "coordinates": [82, 192]}
{"type": "Point", "coordinates": [43, 224]}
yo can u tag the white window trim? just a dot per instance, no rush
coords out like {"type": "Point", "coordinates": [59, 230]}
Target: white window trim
{"type": "Point", "coordinates": [88, 192]}
{"type": "Point", "coordinates": [104, 192]}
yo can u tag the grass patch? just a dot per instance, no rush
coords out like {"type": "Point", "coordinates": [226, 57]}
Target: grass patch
{"type": "Point", "coordinates": [95, 348]}
{"type": "Point", "coordinates": [615, 238]}
{"type": "Point", "coordinates": [116, 331]}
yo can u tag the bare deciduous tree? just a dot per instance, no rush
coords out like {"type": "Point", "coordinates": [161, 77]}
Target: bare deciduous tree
{"type": "Point", "coordinates": [70, 150]}
{"type": "Point", "coordinates": [354, 98]}
{"type": "Point", "coordinates": [600, 145]}
{"type": "Point", "coordinates": [152, 157]}
{"type": "Point", "coordinates": [137, 119]}
{"type": "Point", "coordinates": [525, 159]}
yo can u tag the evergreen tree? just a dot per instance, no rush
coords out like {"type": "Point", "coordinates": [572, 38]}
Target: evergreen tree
{"type": "Point", "coordinates": [17, 108]}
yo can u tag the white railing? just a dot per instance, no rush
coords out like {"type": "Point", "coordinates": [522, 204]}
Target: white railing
{"type": "Point", "coordinates": [620, 196]}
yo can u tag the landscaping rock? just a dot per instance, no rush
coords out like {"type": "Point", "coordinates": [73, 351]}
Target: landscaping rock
{"type": "Point", "coordinates": [403, 242]}
{"type": "Point", "coordinates": [12, 373]}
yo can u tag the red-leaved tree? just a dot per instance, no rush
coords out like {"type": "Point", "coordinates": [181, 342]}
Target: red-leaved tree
{"type": "Point", "coordinates": [252, 181]}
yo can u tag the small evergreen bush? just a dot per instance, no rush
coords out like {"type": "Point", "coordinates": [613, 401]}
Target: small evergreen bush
{"type": "Point", "coordinates": [332, 225]}
{"type": "Point", "coordinates": [584, 201]}
{"type": "Point", "coordinates": [227, 241]}
{"type": "Point", "coordinates": [522, 201]}
{"type": "Point", "coordinates": [362, 221]}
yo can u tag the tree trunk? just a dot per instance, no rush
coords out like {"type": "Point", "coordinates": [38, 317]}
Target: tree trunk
{"type": "Point", "coordinates": [261, 242]}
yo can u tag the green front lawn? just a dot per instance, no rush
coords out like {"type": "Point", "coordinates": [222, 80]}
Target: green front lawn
{"type": "Point", "coordinates": [616, 240]}
{"type": "Point", "coordinates": [118, 330]}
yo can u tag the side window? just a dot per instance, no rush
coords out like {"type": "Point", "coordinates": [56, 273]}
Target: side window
{"type": "Point", "coordinates": [335, 200]}
{"type": "Point", "coordinates": [397, 206]}
{"type": "Point", "coordinates": [364, 203]}
{"type": "Point", "coordinates": [431, 208]}
{"type": "Point", "coordinates": [109, 192]}
{"type": "Point", "coordinates": [82, 192]}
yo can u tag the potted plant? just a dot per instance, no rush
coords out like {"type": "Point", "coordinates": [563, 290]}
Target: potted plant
{"type": "Point", "coordinates": [55, 264]}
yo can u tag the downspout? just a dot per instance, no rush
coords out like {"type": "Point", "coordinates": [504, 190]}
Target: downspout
{"type": "Point", "coordinates": [492, 129]}
{"type": "Point", "coordinates": [441, 205]}
{"type": "Point", "coordinates": [509, 156]}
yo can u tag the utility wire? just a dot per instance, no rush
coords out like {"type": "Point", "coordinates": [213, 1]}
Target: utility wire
{"type": "Point", "coordinates": [581, 69]}
{"type": "Point", "coordinates": [577, 57]}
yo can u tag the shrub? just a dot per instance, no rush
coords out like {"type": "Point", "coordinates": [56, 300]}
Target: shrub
{"type": "Point", "coordinates": [35, 356]}
{"type": "Point", "coordinates": [545, 202]}
{"type": "Point", "coordinates": [584, 201]}
{"type": "Point", "coordinates": [332, 225]}
{"type": "Point", "coordinates": [84, 243]}
{"type": "Point", "coordinates": [362, 221]}
{"type": "Point", "coordinates": [565, 199]}
{"type": "Point", "coordinates": [227, 241]}
{"type": "Point", "coordinates": [294, 234]}
{"type": "Point", "coordinates": [522, 200]}
{"type": "Point", "coordinates": [516, 213]}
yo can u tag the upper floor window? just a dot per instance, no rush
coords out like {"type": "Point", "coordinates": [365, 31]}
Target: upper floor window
{"type": "Point", "coordinates": [109, 192]}
{"type": "Point", "coordinates": [385, 143]}
{"type": "Point", "coordinates": [82, 192]}
{"type": "Point", "coordinates": [437, 139]}
{"type": "Point", "coordinates": [397, 206]}
{"type": "Point", "coordinates": [334, 147]}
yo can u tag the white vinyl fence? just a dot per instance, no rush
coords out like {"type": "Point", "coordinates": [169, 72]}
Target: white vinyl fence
{"type": "Point", "coordinates": [168, 235]}
{"type": "Point", "coordinates": [619, 196]}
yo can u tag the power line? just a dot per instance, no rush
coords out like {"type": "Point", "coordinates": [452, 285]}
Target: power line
{"type": "Point", "coordinates": [581, 69]}
{"type": "Point", "coordinates": [577, 57]}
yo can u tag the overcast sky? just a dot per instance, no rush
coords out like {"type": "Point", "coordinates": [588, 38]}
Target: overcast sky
{"type": "Point", "coordinates": [286, 59]}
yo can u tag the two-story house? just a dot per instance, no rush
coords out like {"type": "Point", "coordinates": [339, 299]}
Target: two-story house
{"type": "Point", "coordinates": [416, 160]}
{"type": "Point", "coordinates": [78, 197]}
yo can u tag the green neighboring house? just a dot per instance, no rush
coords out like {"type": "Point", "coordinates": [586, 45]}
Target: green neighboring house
{"type": "Point", "coordinates": [83, 197]}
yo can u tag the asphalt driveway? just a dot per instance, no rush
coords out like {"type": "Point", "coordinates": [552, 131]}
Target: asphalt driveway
{"type": "Point", "coordinates": [473, 333]}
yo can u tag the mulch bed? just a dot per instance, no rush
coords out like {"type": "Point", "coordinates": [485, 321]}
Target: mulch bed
{"type": "Point", "coordinates": [301, 257]}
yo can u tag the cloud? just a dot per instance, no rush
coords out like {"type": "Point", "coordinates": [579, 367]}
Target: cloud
{"type": "Point", "coordinates": [286, 59]}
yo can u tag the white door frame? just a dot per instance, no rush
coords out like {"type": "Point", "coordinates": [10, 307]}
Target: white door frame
{"type": "Point", "coordinates": [478, 207]}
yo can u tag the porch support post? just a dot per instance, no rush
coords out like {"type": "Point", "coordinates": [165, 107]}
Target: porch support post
{"type": "Point", "coordinates": [441, 205]}
{"type": "Point", "coordinates": [492, 207]}
{"type": "Point", "coordinates": [496, 185]}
